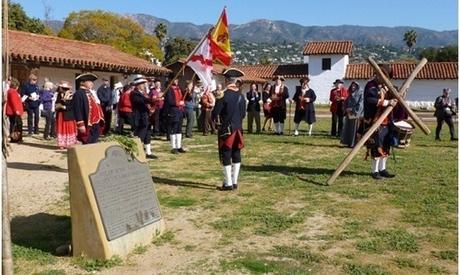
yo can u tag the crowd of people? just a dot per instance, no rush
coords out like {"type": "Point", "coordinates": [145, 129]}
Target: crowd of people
{"type": "Point", "coordinates": [152, 109]}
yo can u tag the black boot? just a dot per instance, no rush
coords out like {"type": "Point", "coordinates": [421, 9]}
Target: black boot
{"type": "Point", "coordinates": [385, 174]}
{"type": "Point", "coordinates": [376, 176]}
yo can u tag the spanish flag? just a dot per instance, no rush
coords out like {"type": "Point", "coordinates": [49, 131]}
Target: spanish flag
{"type": "Point", "coordinates": [220, 41]}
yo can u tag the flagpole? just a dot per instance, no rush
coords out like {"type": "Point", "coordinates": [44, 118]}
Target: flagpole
{"type": "Point", "coordinates": [186, 61]}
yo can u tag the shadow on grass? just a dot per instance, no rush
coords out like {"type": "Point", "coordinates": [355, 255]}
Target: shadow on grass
{"type": "Point", "coordinates": [42, 231]}
{"type": "Point", "coordinates": [300, 142]}
{"type": "Point", "coordinates": [291, 171]}
{"type": "Point", "coordinates": [183, 183]}
{"type": "Point", "coordinates": [35, 167]}
{"type": "Point", "coordinates": [453, 145]}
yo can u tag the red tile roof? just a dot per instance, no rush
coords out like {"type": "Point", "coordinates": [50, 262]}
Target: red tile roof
{"type": "Point", "coordinates": [269, 71]}
{"type": "Point", "coordinates": [432, 70]}
{"type": "Point", "coordinates": [218, 69]}
{"type": "Point", "coordinates": [328, 47]}
{"type": "Point", "coordinates": [60, 52]}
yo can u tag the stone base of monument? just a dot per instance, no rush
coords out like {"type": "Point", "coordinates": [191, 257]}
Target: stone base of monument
{"type": "Point", "coordinates": [113, 202]}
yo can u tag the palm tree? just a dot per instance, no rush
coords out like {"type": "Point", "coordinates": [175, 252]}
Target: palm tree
{"type": "Point", "coordinates": [160, 32]}
{"type": "Point", "coordinates": [410, 37]}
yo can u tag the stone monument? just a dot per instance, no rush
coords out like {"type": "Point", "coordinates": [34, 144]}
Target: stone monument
{"type": "Point", "coordinates": [113, 203]}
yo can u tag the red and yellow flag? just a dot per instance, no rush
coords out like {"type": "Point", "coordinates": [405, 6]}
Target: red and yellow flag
{"type": "Point", "coordinates": [220, 41]}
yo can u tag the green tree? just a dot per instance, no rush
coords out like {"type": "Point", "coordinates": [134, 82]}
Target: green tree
{"type": "Point", "coordinates": [18, 20]}
{"type": "Point", "coordinates": [443, 54]}
{"type": "Point", "coordinates": [178, 48]}
{"type": "Point", "coordinates": [109, 28]}
{"type": "Point", "coordinates": [161, 30]}
{"type": "Point", "coordinates": [264, 60]}
{"type": "Point", "coordinates": [410, 37]}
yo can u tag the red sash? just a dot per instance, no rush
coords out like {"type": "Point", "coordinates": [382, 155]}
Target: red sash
{"type": "Point", "coordinates": [95, 112]}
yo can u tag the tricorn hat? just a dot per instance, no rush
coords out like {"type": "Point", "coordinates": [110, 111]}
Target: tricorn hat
{"type": "Point", "coordinates": [86, 77]}
{"type": "Point", "coordinates": [338, 81]}
{"type": "Point", "coordinates": [278, 77]}
{"type": "Point", "coordinates": [232, 73]}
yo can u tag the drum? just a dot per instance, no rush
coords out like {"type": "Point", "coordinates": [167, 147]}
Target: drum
{"type": "Point", "coordinates": [404, 130]}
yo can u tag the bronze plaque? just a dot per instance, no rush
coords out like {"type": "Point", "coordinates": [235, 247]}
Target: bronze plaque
{"type": "Point", "coordinates": [124, 193]}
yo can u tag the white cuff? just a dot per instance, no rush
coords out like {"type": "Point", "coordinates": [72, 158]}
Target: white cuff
{"type": "Point", "coordinates": [385, 103]}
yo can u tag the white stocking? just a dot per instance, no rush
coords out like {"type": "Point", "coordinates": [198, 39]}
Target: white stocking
{"type": "Point", "coordinates": [375, 165]}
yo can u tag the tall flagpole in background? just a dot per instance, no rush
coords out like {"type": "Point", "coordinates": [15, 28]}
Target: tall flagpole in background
{"type": "Point", "coordinates": [7, 258]}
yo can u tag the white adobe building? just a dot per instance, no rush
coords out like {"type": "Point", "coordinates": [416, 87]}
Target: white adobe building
{"type": "Point", "coordinates": [329, 60]}
{"type": "Point", "coordinates": [424, 89]}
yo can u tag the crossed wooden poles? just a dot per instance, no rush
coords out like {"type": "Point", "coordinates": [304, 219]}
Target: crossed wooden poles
{"type": "Point", "coordinates": [399, 95]}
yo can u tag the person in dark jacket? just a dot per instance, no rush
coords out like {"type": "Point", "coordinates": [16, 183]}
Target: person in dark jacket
{"type": "Point", "coordinates": [279, 94]}
{"type": "Point", "coordinates": [304, 99]}
{"type": "Point", "coordinates": [253, 98]}
{"type": "Point", "coordinates": [105, 95]}
{"type": "Point", "coordinates": [230, 110]}
{"type": "Point", "coordinates": [141, 122]}
{"type": "Point", "coordinates": [174, 104]}
{"type": "Point", "coordinates": [189, 108]}
{"type": "Point", "coordinates": [445, 109]}
{"type": "Point", "coordinates": [354, 109]}
{"type": "Point", "coordinates": [30, 92]}
{"type": "Point", "coordinates": [376, 99]}
{"type": "Point", "coordinates": [88, 113]}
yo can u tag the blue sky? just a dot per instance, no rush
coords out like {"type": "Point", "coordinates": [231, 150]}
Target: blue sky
{"type": "Point", "coordinates": [431, 14]}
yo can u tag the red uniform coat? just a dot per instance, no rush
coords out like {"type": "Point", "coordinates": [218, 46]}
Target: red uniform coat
{"type": "Point", "coordinates": [342, 92]}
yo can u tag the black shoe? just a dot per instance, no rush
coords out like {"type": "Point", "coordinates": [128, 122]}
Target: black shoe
{"type": "Point", "coordinates": [235, 186]}
{"type": "Point", "coordinates": [225, 188]}
{"type": "Point", "coordinates": [453, 139]}
{"type": "Point", "coordinates": [437, 139]}
{"type": "Point", "coordinates": [376, 176]}
{"type": "Point", "coordinates": [281, 133]}
{"type": "Point", "coordinates": [151, 157]}
{"type": "Point", "coordinates": [385, 174]}
{"type": "Point", "coordinates": [181, 150]}
{"type": "Point", "coordinates": [174, 151]}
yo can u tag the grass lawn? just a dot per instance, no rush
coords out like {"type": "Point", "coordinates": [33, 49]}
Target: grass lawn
{"type": "Point", "coordinates": [284, 220]}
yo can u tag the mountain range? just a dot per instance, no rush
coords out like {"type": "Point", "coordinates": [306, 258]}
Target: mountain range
{"type": "Point", "coordinates": [268, 31]}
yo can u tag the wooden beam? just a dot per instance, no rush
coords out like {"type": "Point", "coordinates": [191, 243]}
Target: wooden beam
{"type": "Point", "coordinates": [398, 96]}
{"type": "Point", "coordinates": [374, 126]}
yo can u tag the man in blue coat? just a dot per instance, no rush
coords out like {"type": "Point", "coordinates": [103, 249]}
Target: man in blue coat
{"type": "Point", "coordinates": [141, 122]}
{"type": "Point", "coordinates": [230, 111]}
{"type": "Point", "coordinates": [29, 91]}
{"type": "Point", "coordinates": [105, 95]}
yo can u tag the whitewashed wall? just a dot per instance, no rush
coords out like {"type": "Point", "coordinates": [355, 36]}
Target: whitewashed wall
{"type": "Point", "coordinates": [422, 93]}
{"type": "Point", "coordinates": [58, 74]}
{"type": "Point", "coordinates": [321, 80]}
